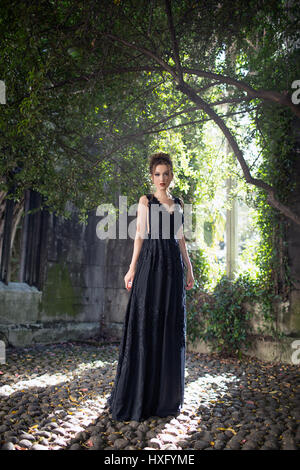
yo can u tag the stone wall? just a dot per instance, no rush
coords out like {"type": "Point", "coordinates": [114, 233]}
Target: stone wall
{"type": "Point", "coordinates": [119, 254]}
{"type": "Point", "coordinates": [83, 296]}
{"type": "Point", "coordinates": [71, 304]}
{"type": "Point", "coordinates": [264, 345]}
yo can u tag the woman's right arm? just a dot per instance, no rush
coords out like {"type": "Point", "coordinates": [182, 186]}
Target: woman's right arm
{"type": "Point", "coordinates": [141, 231]}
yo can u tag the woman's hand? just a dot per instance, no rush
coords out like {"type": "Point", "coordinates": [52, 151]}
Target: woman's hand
{"type": "Point", "coordinates": [189, 279]}
{"type": "Point", "coordinates": [128, 279]}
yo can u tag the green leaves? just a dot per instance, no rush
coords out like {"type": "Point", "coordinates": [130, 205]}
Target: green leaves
{"type": "Point", "coordinates": [226, 323]}
{"type": "Point", "coordinates": [110, 102]}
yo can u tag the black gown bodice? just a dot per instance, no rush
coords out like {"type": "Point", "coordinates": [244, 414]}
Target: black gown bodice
{"type": "Point", "coordinates": [163, 223]}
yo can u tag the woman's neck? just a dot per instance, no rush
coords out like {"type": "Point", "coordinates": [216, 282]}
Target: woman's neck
{"type": "Point", "coordinates": [162, 195]}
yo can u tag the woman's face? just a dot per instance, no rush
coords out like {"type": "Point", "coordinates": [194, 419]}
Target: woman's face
{"type": "Point", "coordinates": [162, 177]}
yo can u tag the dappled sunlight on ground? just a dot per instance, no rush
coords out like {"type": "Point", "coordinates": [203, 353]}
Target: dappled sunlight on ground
{"type": "Point", "coordinates": [55, 397]}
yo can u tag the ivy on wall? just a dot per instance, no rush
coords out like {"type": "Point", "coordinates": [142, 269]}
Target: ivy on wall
{"type": "Point", "coordinates": [220, 317]}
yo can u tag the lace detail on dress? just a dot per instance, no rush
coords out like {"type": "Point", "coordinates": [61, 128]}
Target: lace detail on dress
{"type": "Point", "coordinates": [169, 217]}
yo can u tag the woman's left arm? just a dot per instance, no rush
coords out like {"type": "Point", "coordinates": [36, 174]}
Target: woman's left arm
{"type": "Point", "coordinates": [184, 253]}
{"type": "Point", "coordinates": [187, 262]}
{"type": "Point", "coordinates": [185, 256]}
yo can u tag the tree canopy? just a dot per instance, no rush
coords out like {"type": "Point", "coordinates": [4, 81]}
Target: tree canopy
{"type": "Point", "coordinates": [92, 87]}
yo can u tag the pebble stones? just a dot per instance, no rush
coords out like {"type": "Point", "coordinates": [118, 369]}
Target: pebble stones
{"type": "Point", "coordinates": [55, 397]}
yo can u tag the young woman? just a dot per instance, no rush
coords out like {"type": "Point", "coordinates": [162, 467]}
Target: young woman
{"type": "Point", "coordinates": [150, 373]}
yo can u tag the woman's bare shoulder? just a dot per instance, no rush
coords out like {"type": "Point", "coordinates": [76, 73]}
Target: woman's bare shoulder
{"type": "Point", "coordinates": [144, 200]}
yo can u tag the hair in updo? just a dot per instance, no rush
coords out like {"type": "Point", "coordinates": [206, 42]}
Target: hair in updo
{"type": "Point", "coordinates": [160, 158]}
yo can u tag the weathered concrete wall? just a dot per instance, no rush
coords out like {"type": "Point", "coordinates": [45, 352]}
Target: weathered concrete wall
{"type": "Point", "coordinates": [265, 349]}
{"type": "Point", "coordinates": [71, 304]}
{"type": "Point", "coordinates": [84, 295]}
{"type": "Point", "coordinates": [263, 346]}
{"type": "Point", "coordinates": [119, 254]}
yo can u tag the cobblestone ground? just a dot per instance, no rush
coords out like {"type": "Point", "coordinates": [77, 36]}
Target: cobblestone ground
{"type": "Point", "coordinates": [54, 397]}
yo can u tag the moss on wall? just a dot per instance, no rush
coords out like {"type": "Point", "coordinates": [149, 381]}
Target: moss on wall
{"type": "Point", "coordinates": [59, 296]}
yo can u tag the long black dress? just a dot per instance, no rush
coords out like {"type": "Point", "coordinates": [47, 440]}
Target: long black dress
{"type": "Point", "coordinates": [150, 374]}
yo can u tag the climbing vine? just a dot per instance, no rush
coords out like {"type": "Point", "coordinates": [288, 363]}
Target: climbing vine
{"type": "Point", "coordinates": [277, 143]}
{"type": "Point", "coordinates": [222, 317]}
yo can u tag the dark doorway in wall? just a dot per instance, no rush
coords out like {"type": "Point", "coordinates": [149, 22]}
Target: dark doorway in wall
{"type": "Point", "coordinates": [23, 239]}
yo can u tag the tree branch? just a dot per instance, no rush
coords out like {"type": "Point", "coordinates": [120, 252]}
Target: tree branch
{"type": "Point", "coordinates": [177, 126]}
{"type": "Point", "coordinates": [174, 41]}
{"type": "Point", "coordinates": [275, 97]}
{"type": "Point", "coordinates": [271, 195]}
{"type": "Point", "coordinates": [145, 51]}
{"type": "Point", "coordinates": [267, 95]}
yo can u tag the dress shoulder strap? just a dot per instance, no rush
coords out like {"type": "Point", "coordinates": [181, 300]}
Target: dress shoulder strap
{"type": "Point", "coordinates": [178, 200]}
{"type": "Point", "coordinates": [149, 197]}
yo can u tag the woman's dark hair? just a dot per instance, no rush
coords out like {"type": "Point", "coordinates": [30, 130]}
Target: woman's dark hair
{"type": "Point", "coordinates": [160, 158]}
